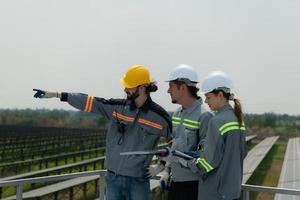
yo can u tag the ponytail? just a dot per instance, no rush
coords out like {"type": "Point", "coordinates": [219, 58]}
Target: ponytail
{"type": "Point", "coordinates": [152, 87]}
{"type": "Point", "coordinates": [238, 111]}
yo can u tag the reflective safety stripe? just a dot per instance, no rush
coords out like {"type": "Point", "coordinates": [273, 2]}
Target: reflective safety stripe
{"type": "Point", "coordinates": [150, 123]}
{"type": "Point", "coordinates": [190, 126]}
{"type": "Point", "coordinates": [204, 164]}
{"type": "Point", "coordinates": [186, 122]}
{"type": "Point", "coordinates": [140, 120]}
{"type": "Point", "coordinates": [191, 123]}
{"type": "Point", "coordinates": [231, 126]}
{"type": "Point", "coordinates": [123, 117]}
{"type": "Point", "coordinates": [89, 104]}
{"type": "Point", "coordinates": [176, 120]}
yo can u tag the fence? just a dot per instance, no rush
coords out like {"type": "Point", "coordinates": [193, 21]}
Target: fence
{"type": "Point", "coordinates": [20, 182]}
{"type": "Point", "coordinates": [101, 184]}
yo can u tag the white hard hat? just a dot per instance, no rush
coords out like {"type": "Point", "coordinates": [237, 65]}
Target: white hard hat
{"type": "Point", "coordinates": [217, 80]}
{"type": "Point", "coordinates": [184, 73]}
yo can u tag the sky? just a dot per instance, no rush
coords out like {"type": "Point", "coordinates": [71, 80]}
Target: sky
{"type": "Point", "coordinates": [87, 45]}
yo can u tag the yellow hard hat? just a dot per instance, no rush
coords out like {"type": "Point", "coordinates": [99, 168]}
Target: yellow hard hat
{"type": "Point", "coordinates": [136, 75]}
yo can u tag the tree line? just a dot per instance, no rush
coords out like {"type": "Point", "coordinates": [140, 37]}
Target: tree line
{"type": "Point", "coordinates": [279, 122]}
{"type": "Point", "coordinates": [50, 118]}
{"type": "Point", "coordinates": [79, 119]}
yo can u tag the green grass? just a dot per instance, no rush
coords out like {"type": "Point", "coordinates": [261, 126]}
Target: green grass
{"type": "Point", "coordinates": [268, 172]}
{"type": "Point", "coordinates": [250, 145]}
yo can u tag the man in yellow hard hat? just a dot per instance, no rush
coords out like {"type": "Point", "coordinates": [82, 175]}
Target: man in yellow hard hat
{"type": "Point", "coordinates": [136, 124]}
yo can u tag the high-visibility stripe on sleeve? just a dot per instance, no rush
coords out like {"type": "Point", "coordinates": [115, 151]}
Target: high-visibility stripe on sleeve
{"type": "Point", "coordinates": [204, 164]}
{"type": "Point", "coordinates": [88, 104]}
{"type": "Point", "coordinates": [150, 123]}
{"type": "Point", "coordinates": [123, 117]}
{"type": "Point", "coordinates": [231, 126]}
{"type": "Point", "coordinates": [91, 104]}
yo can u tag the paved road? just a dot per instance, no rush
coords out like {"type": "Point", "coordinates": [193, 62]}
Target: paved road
{"type": "Point", "coordinates": [290, 173]}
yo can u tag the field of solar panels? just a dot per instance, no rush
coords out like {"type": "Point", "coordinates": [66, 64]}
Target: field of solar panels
{"type": "Point", "coordinates": [27, 152]}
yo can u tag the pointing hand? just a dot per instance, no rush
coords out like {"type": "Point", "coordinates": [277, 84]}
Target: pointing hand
{"type": "Point", "coordinates": [45, 94]}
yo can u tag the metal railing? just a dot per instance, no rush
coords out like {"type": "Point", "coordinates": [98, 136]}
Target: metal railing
{"type": "Point", "coordinates": [101, 184]}
{"type": "Point", "coordinates": [20, 182]}
{"type": "Point", "coordinates": [256, 188]}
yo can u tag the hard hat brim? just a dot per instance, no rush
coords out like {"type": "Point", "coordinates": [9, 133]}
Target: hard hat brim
{"type": "Point", "coordinates": [185, 81]}
{"type": "Point", "coordinates": [125, 85]}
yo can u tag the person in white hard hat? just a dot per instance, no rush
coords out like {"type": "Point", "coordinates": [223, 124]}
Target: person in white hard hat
{"type": "Point", "coordinates": [189, 129]}
{"type": "Point", "coordinates": [220, 164]}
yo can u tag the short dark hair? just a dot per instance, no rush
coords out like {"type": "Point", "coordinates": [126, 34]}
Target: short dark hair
{"type": "Point", "coordinates": [193, 90]}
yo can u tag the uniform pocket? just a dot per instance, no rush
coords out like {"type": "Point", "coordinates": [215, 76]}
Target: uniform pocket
{"type": "Point", "coordinates": [148, 136]}
{"type": "Point", "coordinates": [191, 138]}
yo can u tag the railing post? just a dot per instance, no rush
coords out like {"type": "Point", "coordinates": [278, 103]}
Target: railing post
{"type": "Point", "coordinates": [102, 187]}
{"type": "Point", "coordinates": [19, 194]}
{"type": "Point", "coordinates": [246, 194]}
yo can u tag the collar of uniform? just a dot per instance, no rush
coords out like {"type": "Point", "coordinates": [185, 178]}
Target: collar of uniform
{"type": "Point", "coordinates": [193, 106]}
{"type": "Point", "coordinates": [224, 108]}
{"type": "Point", "coordinates": [145, 107]}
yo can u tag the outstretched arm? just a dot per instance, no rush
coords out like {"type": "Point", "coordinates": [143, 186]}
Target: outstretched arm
{"type": "Point", "coordinates": [84, 102]}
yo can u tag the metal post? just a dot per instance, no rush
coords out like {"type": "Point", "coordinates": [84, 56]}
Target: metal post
{"type": "Point", "coordinates": [246, 195]}
{"type": "Point", "coordinates": [71, 194]}
{"type": "Point", "coordinates": [84, 191]}
{"type": "Point", "coordinates": [55, 195]}
{"type": "Point", "coordinates": [19, 194]}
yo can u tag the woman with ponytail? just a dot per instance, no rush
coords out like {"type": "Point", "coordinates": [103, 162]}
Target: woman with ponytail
{"type": "Point", "coordinates": [220, 164]}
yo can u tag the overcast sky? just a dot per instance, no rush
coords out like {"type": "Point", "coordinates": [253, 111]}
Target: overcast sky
{"type": "Point", "coordinates": [86, 46]}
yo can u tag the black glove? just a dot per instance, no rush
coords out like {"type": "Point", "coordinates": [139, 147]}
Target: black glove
{"type": "Point", "coordinates": [39, 93]}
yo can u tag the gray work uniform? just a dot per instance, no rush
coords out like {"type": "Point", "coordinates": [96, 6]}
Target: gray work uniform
{"type": "Point", "coordinates": [189, 130]}
{"type": "Point", "coordinates": [221, 162]}
{"type": "Point", "coordinates": [130, 129]}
